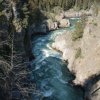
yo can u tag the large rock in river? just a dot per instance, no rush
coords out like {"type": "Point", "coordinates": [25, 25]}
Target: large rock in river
{"type": "Point", "coordinates": [64, 23]}
{"type": "Point", "coordinates": [51, 25]}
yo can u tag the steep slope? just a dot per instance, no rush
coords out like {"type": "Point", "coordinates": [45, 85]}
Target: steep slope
{"type": "Point", "coordinates": [15, 51]}
{"type": "Point", "coordinates": [83, 55]}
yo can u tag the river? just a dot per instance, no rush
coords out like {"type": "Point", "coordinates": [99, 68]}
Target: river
{"type": "Point", "coordinates": [50, 72]}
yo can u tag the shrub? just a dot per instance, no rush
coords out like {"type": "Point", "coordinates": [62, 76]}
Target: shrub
{"type": "Point", "coordinates": [78, 53]}
{"type": "Point", "coordinates": [1, 13]}
{"type": "Point", "coordinates": [95, 8]}
{"type": "Point", "coordinates": [78, 33]}
{"type": "Point", "coordinates": [95, 24]}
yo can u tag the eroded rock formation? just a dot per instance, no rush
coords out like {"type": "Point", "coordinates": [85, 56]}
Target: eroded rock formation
{"type": "Point", "coordinates": [83, 55]}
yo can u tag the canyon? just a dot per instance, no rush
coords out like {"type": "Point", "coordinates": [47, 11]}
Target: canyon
{"type": "Point", "coordinates": [41, 56]}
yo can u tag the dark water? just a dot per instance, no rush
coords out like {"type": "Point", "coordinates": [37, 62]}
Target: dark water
{"type": "Point", "coordinates": [50, 72]}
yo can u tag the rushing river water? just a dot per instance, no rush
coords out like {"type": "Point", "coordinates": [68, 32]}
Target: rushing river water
{"type": "Point", "coordinates": [50, 72]}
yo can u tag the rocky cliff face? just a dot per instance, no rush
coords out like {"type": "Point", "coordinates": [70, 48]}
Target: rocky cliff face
{"type": "Point", "coordinates": [83, 55]}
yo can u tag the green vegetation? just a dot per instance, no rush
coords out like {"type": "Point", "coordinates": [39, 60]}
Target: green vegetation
{"type": "Point", "coordinates": [53, 7]}
{"type": "Point", "coordinates": [95, 24]}
{"type": "Point", "coordinates": [95, 8]}
{"type": "Point", "coordinates": [79, 29]}
{"type": "Point", "coordinates": [78, 53]}
{"type": "Point", "coordinates": [1, 13]}
{"type": "Point", "coordinates": [25, 17]}
{"type": "Point", "coordinates": [78, 33]}
{"type": "Point", "coordinates": [47, 5]}
{"type": "Point", "coordinates": [11, 47]}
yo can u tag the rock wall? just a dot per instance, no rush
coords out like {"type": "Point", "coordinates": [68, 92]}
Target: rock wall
{"type": "Point", "coordinates": [86, 66]}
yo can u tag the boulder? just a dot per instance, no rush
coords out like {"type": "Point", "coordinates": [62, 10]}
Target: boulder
{"type": "Point", "coordinates": [51, 25]}
{"type": "Point", "coordinates": [64, 23]}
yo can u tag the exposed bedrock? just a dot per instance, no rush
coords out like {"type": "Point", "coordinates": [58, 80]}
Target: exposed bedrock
{"type": "Point", "coordinates": [83, 55]}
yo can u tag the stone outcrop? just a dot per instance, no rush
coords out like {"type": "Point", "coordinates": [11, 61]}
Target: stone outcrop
{"type": "Point", "coordinates": [51, 25]}
{"type": "Point", "coordinates": [65, 45]}
{"type": "Point", "coordinates": [90, 46]}
{"type": "Point", "coordinates": [88, 64]}
{"type": "Point", "coordinates": [64, 23]}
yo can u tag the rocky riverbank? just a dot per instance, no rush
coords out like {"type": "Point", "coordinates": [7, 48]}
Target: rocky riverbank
{"type": "Point", "coordinates": [83, 55]}
{"type": "Point", "coordinates": [55, 21]}
{"type": "Point", "coordinates": [18, 21]}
